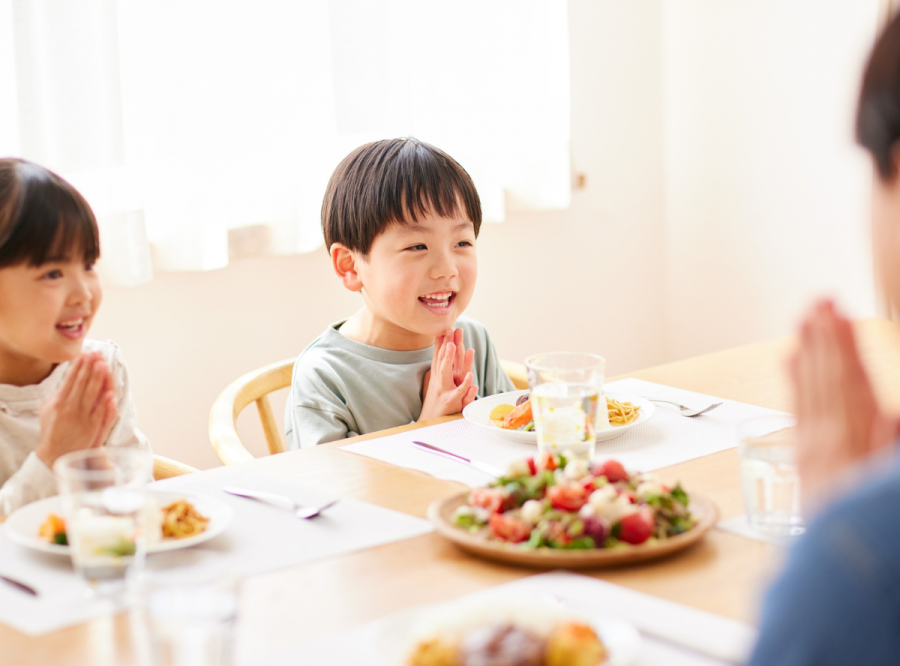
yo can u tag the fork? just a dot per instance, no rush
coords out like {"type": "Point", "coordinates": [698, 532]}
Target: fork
{"type": "Point", "coordinates": [687, 411]}
{"type": "Point", "coordinates": [302, 512]}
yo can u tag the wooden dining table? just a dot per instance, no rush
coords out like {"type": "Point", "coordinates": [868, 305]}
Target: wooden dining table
{"type": "Point", "coordinates": [724, 573]}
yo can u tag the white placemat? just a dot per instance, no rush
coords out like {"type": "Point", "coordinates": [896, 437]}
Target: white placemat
{"type": "Point", "coordinates": [262, 537]}
{"type": "Point", "coordinates": [666, 439]}
{"type": "Point", "coordinates": [741, 526]}
{"type": "Point", "coordinates": [672, 634]}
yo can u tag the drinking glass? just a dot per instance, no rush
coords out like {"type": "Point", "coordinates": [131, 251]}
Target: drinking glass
{"type": "Point", "coordinates": [104, 499]}
{"type": "Point", "coordinates": [566, 388]}
{"type": "Point", "coordinates": [189, 614]}
{"type": "Point", "coordinates": [769, 476]}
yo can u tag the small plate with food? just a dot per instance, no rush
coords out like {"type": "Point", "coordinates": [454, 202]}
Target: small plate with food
{"type": "Point", "coordinates": [507, 629]}
{"type": "Point", "coordinates": [509, 415]}
{"type": "Point", "coordinates": [549, 512]}
{"type": "Point", "coordinates": [180, 520]}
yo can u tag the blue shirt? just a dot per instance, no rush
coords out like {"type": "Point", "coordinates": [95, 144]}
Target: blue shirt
{"type": "Point", "coordinates": [838, 599]}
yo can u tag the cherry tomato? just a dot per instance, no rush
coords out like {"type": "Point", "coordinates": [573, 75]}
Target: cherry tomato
{"type": "Point", "coordinates": [567, 497]}
{"type": "Point", "coordinates": [492, 499]}
{"type": "Point", "coordinates": [509, 528]}
{"type": "Point", "coordinates": [636, 527]}
{"type": "Point", "coordinates": [531, 466]}
{"type": "Point", "coordinates": [557, 534]}
{"type": "Point", "coordinates": [612, 470]}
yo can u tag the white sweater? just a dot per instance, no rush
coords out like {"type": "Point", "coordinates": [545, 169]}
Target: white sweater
{"type": "Point", "coordinates": [24, 477]}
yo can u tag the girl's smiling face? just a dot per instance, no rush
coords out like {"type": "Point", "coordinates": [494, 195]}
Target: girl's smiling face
{"type": "Point", "coordinates": [417, 279]}
{"type": "Point", "coordinates": [45, 313]}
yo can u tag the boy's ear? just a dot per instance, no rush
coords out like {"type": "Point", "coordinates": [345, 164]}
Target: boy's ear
{"type": "Point", "coordinates": [343, 259]}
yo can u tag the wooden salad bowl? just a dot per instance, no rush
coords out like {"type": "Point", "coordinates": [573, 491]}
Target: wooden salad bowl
{"type": "Point", "coordinates": [440, 513]}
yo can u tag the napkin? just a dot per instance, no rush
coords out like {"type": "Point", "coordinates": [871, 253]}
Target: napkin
{"type": "Point", "coordinates": [261, 537]}
{"type": "Point", "coordinates": [671, 633]}
{"type": "Point", "coordinates": [666, 439]}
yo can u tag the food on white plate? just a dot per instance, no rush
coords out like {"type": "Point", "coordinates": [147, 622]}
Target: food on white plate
{"type": "Point", "coordinates": [498, 636]}
{"type": "Point", "coordinates": [177, 520]}
{"type": "Point", "coordinates": [519, 416]}
{"type": "Point", "coordinates": [550, 502]}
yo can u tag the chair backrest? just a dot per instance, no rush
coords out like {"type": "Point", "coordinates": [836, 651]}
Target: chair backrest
{"type": "Point", "coordinates": [165, 468]}
{"type": "Point", "coordinates": [255, 387]}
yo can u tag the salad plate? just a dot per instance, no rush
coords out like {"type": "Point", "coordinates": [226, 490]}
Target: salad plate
{"type": "Point", "coordinates": [547, 512]}
{"type": "Point", "coordinates": [24, 523]}
{"type": "Point", "coordinates": [478, 413]}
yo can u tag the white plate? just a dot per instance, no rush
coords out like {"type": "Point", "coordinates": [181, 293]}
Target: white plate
{"type": "Point", "coordinates": [403, 631]}
{"type": "Point", "coordinates": [23, 525]}
{"type": "Point", "coordinates": [479, 411]}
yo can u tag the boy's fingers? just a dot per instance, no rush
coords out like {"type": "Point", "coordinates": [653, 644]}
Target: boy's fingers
{"type": "Point", "coordinates": [447, 364]}
{"type": "Point", "coordinates": [460, 352]}
{"type": "Point", "coordinates": [466, 384]}
{"type": "Point", "coordinates": [468, 360]}
{"type": "Point", "coordinates": [108, 412]}
{"type": "Point", "coordinates": [470, 396]}
{"type": "Point", "coordinates": [76, 389]}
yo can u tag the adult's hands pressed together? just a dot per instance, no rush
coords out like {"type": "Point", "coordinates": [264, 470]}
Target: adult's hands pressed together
{"type": "Point", "coordinates": [80, 415]}
{"type": "Point", "coordinates": [839, 421]}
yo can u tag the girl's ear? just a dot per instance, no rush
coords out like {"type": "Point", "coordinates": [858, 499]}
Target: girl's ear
{"type": "Point", "coordinates": [344, 261]}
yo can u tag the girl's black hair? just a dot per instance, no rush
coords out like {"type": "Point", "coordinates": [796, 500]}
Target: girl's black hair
{"type": "Point", "coordinates": [42, 217]}
{"type": "Point", "coordinates": [878, 116]}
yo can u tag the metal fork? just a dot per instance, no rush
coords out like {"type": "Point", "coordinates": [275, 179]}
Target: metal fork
{"type": "Point", "coordinates": [687, 411]}
{"type": "Point", "coordinates": [302, 512]}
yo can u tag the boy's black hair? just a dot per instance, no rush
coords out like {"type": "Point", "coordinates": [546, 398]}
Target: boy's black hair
{"type": "Point", "coordinates": [42, 217]}
{"type": "Point", "coordinates": [878, 116]}
{"type": "Point", "coordinates": [395, 181]}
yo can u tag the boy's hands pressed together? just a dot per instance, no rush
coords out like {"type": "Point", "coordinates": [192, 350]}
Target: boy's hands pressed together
{"type": "Point", "coordinates": [839, 421]}
{"type": "Point", "coordinates": [81, 413]}
{"type": "Point", "coordinates": [448, 385]}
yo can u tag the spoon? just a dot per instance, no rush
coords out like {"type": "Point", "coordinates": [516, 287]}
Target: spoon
{"type": "Point", "coordinates": [687, 411]}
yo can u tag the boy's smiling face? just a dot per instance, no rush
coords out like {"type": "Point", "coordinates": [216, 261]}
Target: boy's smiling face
{"type": "Point", "coordinates": [416, 281]}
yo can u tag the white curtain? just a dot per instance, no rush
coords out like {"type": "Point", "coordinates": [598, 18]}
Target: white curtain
{"type": "Point", "coordinates": [181, 120]}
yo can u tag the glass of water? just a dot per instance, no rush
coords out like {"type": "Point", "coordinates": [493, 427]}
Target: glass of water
{"type": "Point", "coordinates": [769, 476]}
{"type": "Point", "coordinates": [189, 614]}
{"type": "Point", "coordinates": [104, 499]}
{"type": "Point", "coordinates": [566, 391]}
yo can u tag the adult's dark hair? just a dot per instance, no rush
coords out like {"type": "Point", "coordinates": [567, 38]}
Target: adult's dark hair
{"type": "Point", "coordinates": [42, 217]}
{"type": "Point", "coordinates": [878, 116]}
{"type": "Point", "coordinates": [395, 181]}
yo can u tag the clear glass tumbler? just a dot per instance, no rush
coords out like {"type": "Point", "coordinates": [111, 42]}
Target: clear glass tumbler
{"type": "Point", "coordinates": [769, 476]}
{"type": "Point", "coordinates": [189, 614]}
{"type": "Point", "coordinates": [104, 498]}
{"type": "Point", "coordinates": [566, 390]}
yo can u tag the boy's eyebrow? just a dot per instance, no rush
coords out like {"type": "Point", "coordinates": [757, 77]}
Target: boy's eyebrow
{"type": "Point", "coordinates": [414, 227]}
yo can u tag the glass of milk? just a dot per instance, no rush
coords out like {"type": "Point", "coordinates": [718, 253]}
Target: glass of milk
{"type": "Point", "coordinates": [567, 402]}
{"type": "Point", "coordinates": [105, 503]}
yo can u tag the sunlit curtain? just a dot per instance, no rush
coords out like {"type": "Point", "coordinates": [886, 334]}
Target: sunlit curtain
{"type": "Point", "coordinates": [181, 120]}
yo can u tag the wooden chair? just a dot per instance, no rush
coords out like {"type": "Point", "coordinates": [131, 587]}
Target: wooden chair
{"type": "Point", "coordinates": [255, 387]}
{"type": "Point", "coordinates": [165, 468]}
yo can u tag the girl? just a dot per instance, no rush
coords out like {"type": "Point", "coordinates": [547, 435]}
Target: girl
{"type": "Point", "coordinates": [58, 391]}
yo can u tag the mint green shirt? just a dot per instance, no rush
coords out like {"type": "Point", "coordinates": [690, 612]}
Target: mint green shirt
{"type": "Point", "coordinates": [342, 388]}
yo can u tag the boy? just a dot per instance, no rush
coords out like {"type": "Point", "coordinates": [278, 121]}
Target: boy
{"type": "Point", "coordinates": [400, 219]}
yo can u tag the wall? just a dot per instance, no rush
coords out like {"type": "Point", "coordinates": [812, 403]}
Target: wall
{"type": "Point", "coordinates": [586, 278]}
{"type": "Point", "coordinates": [766, 193]}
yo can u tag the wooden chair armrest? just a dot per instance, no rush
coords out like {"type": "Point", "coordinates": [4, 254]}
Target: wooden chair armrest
{"type": "Point", "coordinates": [165, 468]}
{"type": "Point", "coordinates": [517, 373]}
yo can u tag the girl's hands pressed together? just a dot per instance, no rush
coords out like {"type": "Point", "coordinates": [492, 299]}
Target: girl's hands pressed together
{"type": "Point", "coordinates": [448, 385]}
{"type": "Point", "coordinates": [839, 422]}
{"type": "Point", "coordinates": [81, 413]}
